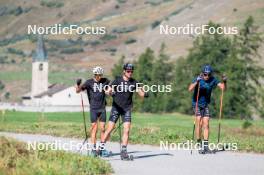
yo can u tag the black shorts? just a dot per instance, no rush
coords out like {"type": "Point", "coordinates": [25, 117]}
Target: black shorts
{"type": "Point", "coordinates": [202, 111]}
{"type": "Point", "coordinates": [97, 113]}
{"type": "Point", "coordinates": [116, 112]}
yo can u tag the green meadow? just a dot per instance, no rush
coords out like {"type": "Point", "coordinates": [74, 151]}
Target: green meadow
{"type": "Point", "coordinates": [146, 128]}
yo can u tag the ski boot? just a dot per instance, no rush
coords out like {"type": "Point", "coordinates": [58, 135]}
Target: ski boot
{"type": "Point", "coordinates": [94, 153]}
{"type": "Point", "coordinates": [199, 144]}
{"type": "Point", "coordinates": [125, 156]}
{"type": "Point", "coordinates": [105, 153]}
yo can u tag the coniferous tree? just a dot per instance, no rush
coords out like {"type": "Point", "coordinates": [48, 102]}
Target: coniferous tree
{"type": "Point", "coordinates": [162, 76]}
{"type": "Point", "coordinates": [143, 74]}
{"type": "Point", "coordinates": [234, 57]}
{"type": "Point", "coordinates": [118, 67]}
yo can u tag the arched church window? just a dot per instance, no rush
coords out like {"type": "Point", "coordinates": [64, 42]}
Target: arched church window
{"type": "Point", "coordinates": [40, 66]}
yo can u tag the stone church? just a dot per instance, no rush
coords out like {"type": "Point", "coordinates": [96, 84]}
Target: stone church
{"type": "Point", "coordinates": [45, 94]}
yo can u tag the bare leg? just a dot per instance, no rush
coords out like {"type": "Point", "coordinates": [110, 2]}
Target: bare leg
{"type": "Point", "coordinates": [198, 127]}
{"type": "Point", "coordinates": [102, 129]}
{"type": "Point", "coordinates": [110, 127]}
{"type": "Point", "coordinates": [93, 132]}
{"type": "Point", "coordinates": [206, 128]}
{"type": "Point", "coordinates": [201, 129]}
{"type": "Point", "coordinates": [126, 133]}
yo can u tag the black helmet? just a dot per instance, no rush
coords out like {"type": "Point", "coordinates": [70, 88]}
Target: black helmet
{"type": "Point", "coordinates": [128, 66]}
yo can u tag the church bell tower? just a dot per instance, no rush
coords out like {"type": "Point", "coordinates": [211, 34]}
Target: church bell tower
{"type": "Point", "coordinates": [39, 69]}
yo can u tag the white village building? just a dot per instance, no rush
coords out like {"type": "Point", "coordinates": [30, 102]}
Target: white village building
{"type": "Point", "coordinates": [45, 94]}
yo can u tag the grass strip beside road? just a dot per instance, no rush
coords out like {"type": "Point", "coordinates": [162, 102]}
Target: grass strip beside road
{"type": "Point", "coordinates": [146, 128]}
{"type": "Point", "coordinates": [17, 159]}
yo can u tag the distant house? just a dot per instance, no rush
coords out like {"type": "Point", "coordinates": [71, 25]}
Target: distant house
{"type": "Point", "coordinates": [43, 94]}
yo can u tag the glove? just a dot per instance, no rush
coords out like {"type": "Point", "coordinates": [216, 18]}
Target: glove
{"type": "Point", "coordinates": [113, 94]}
{"type": "Point", "coordinates": [79, 82]}
{"type": "Point", "coordinates": [224, 78]}
{"type": "Point", "coordinates": [199, 78]}
{"type": "Point", "coordinates": [146, 95]}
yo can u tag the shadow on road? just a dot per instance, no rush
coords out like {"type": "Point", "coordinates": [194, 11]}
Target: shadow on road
{"type": "Point", "coordinates": [142, 156]}
{"type": "Point", "coordinates": [152, 155]}
{"type": "Point", "coordinates": [130, 152]}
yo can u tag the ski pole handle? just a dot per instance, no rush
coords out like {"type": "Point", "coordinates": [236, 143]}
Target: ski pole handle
{"type": "Point", "coordinates": [78, 82]}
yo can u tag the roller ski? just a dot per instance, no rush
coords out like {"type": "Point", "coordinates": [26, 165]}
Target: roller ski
{"type": "Point", "coordinates": [124, 156]}
{"type": "Point", "coordinates": [105, 153]}
{"type": "Point", "coordinates": [206, 150]}
{"type": "Point", "coordinates": [94, 153]}
{"type": "Point", "coordinates": [224, 148]}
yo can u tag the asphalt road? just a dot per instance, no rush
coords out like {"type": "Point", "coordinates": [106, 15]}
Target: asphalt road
{"type": "Point", "coordinates": [151, 160]}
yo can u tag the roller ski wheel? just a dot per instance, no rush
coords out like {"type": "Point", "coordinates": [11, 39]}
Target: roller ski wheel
{"type": "Point", "coordinates": [126, 157]}
{"type": "Point", "coordinates": [206, 151]}
{"type": "Point", "coordinates": [131, 157]}
{"type": "Point", "coordinates": [224, 148]}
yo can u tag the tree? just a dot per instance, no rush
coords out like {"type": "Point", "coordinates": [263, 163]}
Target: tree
{"type": "Point", "coordinates": [143, 74]}
{"type": "Point", "coordinates": [162, 75]}
{"type": "Point", "coordinates": [118, 67]}
{"type": "Point", "coordinates": [7, 95]}
{"type": "Point", "coordinates": [144, 66]}
{"type": "Point", "coordinates": [235, 57]}
{"type": "Point", "coordinates": [150, 70]}
{"type": "Point", "coordinates": [2, 85]}
{"type": "Point", "coordinates": [247, 44]}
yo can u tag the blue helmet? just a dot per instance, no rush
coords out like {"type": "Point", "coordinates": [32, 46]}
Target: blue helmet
{"type": "Point", "coordinates": [207, 69]}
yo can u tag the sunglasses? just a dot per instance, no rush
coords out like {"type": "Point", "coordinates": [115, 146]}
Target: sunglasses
{"type": "Point", "coordinates": [129, 71]}
{"type": "Point", "coordinates": [205, 75]}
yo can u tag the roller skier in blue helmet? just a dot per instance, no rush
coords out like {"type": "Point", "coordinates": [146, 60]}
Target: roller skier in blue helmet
{"type": "Point", "coordinates": [204, 83]}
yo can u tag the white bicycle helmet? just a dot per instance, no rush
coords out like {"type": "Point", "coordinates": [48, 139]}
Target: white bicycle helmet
{"type": "Point", "coordinates": [98, 70]}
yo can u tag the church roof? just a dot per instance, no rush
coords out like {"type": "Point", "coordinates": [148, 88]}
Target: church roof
{"type": "Point", "coordinates": [41, 53]}
{"type": "Point", "coordinates": [53, 89]}
{"type": "Point", "coordinates": [27, 96]}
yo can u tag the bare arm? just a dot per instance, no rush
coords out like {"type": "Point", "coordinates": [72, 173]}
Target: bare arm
{"type": "Point", "coordinates": [78, 89]}
{"type": "Point", "coordinates": [192, 86]}
{"type": "Point", "coordinates": [141, 93]}
{"type": "Point", "coordinates": [224, 82]}
{"type": "Point", "coordinates": [221, 86]}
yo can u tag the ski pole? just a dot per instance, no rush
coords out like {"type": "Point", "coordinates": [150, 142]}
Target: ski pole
{"type": "Point", "coordinates": [84, 123]}
{"type": "Point", "coordinates": [116, 128]}
{"type": "Point", "coordinates": [220, 115]}
{"type": "Point", "coordinates": [196, 109]}
{"type": "Point", "coordinates": [120, 139]}
{"type": "Point", "coordinates": [119, 125]}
